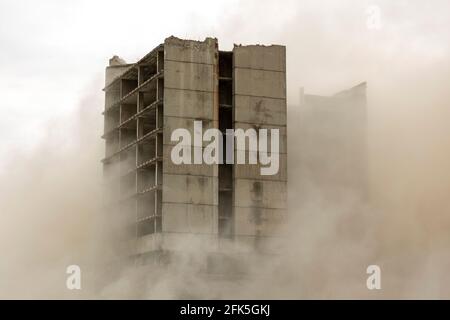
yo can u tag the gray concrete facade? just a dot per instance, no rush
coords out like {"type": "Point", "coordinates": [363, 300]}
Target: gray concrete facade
{"type": "Point", "coordinates": [260, 102]}
{"type": "Point", "coordinates": [165, 206]}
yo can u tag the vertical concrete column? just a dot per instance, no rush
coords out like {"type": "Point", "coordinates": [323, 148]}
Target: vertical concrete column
{"type": "Point", "coordinates": [190, 191]}
{"type": "Point", "coordinates": [260, 201]}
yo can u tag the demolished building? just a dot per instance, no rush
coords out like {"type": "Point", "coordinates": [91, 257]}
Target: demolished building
{"type": "Point", "coordinates": [164, 207]}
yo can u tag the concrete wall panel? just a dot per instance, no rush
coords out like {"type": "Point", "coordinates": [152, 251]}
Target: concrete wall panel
{"type": "Point", "coordinates": [250, 171]}
{"type": "Point", "coordinates": [259, 221]}
{"type": "Point", "coordinates": [260, 83]}
{"type": "Point", "coordinates": [189, 76]}
{"type": "Point", "coordinates": [173, 123]}
{"type": "Point", "coordinates": [190, 83]}
{"type": "Point", "coordinates": [260, 57]}
{"type": "Point", "coordinates": [260, 103]}
{"type": "Point", "coordinates": [190, 189]}
{"type": "Point", "coordinates": [191, 51]}
{"type": "Point", "coordinates": [189, 218]}
{"type": "Point", "coordinates": [187, 169]}
{"type": "Point", "coordinates": [190, 104]}
{"type": "Point", "coordinates": [282, 145]}
{"type": "Point", "coordinates": [264, 194]}
{"type": "Point", "coordinates": [260, 110]}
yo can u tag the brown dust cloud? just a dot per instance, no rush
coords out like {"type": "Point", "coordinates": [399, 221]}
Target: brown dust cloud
{"type": "Point", "coordinates": [51, 198]}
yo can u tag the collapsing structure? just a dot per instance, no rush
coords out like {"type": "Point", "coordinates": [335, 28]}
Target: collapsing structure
{"type": "Point", "coordinates": [333, 144]}
{"type": "Point", "coordinates": [164, 206]}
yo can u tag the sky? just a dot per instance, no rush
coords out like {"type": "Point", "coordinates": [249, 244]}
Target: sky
{"type": "Point", "coordinates": [54, 51]}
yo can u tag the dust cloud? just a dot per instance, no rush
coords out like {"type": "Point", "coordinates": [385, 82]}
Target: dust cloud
{"type": "Point", "coordinates": [50, 199]}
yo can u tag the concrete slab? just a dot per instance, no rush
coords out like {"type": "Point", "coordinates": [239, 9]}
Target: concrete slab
{"type": "Point", "coordinates": [260, 57]}
{"type": "Point", "coordinates": [282, 134]}
{"type": "Point", "coordinates": [189, 104]}
{"type": "Point", "coordinates": [260, 110]}
{"type": "Point", "coordinates": [260, 83]}
{"type": "Point", "coordinates": [189, 218]}
{"type": "Point", "coordinates": [258, 221]}
{"type": "Point", "coordinates": [253, 171]}
{"type": "Point", "coordinates": [173, 123]}
{"type": "Point", "coordinates": [265, 194]}
{"type": "Point", "coordinates": [189, 76]}
{"type": "Point", "coordinates": [187, 169]}
{"type": "Point", "coordinates": [191, 51]}
{"type": "Point", "coordinates": [190, 189]}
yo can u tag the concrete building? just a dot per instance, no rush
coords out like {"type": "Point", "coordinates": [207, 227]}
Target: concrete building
{"type": "Point", "coordinates": [166, 207]}
{"type": "Point", "coordinates": [333, 148]}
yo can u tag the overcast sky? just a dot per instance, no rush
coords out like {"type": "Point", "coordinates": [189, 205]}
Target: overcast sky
{"type": "Point", "coordinates": [53, 52]}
